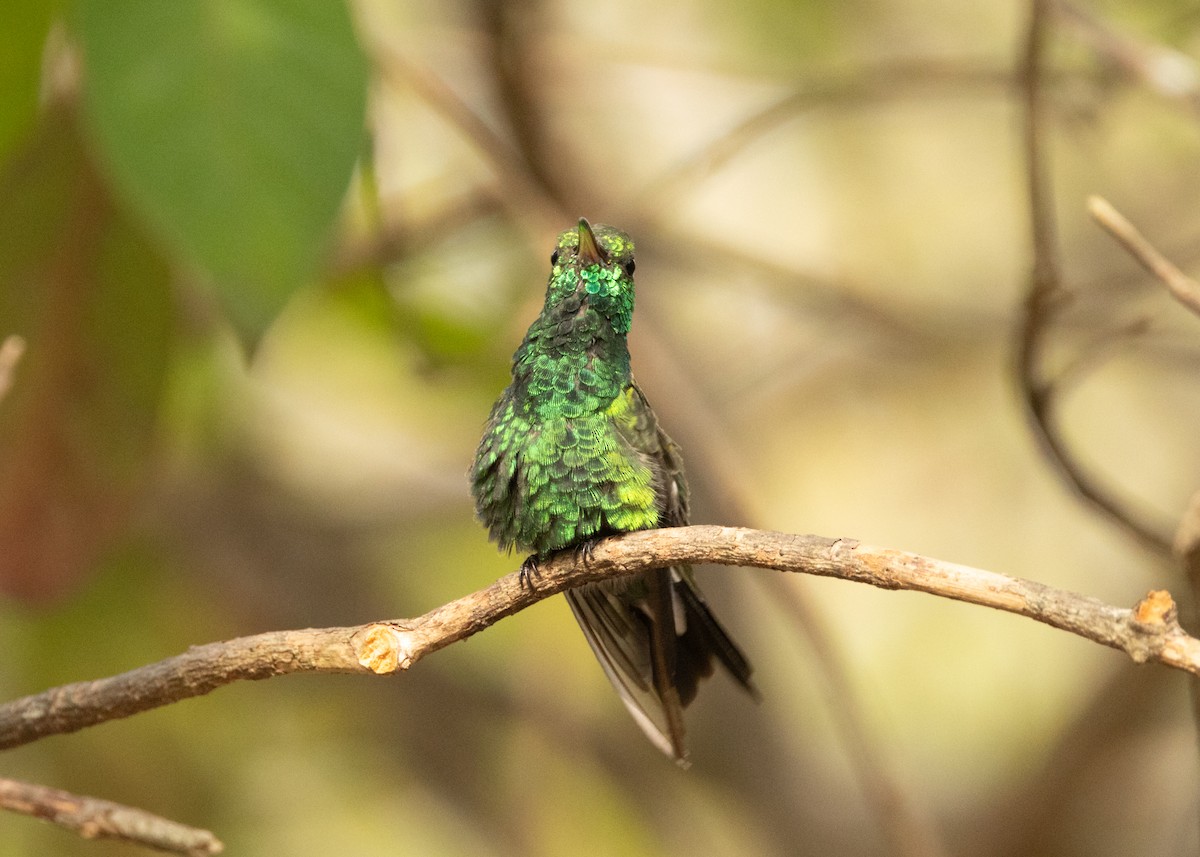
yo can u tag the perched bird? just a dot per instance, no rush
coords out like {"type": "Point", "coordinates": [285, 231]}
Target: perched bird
{"type": "Point", "coordinates": [572, 452]}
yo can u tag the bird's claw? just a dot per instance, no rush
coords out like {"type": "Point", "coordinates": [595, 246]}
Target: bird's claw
{"type": "Point", "coordinates": [585, 552]}
{"type": "Point", "coordinates": [529, 573]}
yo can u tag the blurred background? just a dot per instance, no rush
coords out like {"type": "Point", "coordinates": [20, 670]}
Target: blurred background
{"type": "Point", "coordinates": [270, 258]}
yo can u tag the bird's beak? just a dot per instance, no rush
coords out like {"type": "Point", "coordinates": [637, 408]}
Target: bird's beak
{"type": "Point", "coordinates": [590, 252]}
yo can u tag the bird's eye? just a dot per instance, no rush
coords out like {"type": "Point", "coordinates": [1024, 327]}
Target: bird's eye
{"type": "Point", "coordinates": [629, 266]}
{"type": "Point", "coordinates": [554, 258]}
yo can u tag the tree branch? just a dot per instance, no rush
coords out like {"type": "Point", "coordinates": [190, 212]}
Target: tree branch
{"type": "Point", "coordinates": [1148, 632]}
{"type": "Point", "coordinates": [1182, 287]}
{"type": "Point", "coordinates": [93, 818]}
{"type": "Point", "coordinates": [1046, 295]}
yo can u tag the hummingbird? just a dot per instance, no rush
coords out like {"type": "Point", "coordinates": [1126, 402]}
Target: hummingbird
{"type": "Point", "coordinates": [572, 452]}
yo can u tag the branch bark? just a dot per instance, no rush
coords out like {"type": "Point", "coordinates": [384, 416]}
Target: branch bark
{"type": "Point", "coordinates": [1148, 632]}
{"type": "Point", "coordinates": [93, 818]}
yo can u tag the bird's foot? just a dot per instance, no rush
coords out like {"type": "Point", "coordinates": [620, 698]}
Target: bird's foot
{"type": "Point", "coordinates": [531, 568]}
{"type": "Point", "coordinates": [585, 551]}
{"type": "Point", "coordinates": [529, 572]}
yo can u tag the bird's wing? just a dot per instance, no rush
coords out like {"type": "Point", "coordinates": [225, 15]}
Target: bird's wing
{"type": "Point", "coordinates": [700, 634]}
{"type": "Point", "coordinates": [653, 634]}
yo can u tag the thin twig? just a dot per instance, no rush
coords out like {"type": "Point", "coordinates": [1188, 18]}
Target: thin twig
{"type": "Point", "coordinates": [1097, 350]}
{"type": "Point", "coordinates": [522, 195]}
{"type": "Point", "coordinates": [511, 31]}
{"type": "Point", "coordinates": [1045, 286]}
{"type": "Point", "coordinates": [904, 822]}
{"type": "Point", "coordinates": [535, 179]}
{"type": "Point", "coordinates": [11, 351]}
{"type": "Point", "coordinates": [863, 87]}
{"type": "Point", "coordinates": [396, 240]}
{"type": "Point", "coordinates": [1045, 296]}
{"type": "Point", "coordinates": [1182, 287]}
{"type": "Point", "coordinates": [910, 831]}
{"type": "Point", "coordinates": [833, 300]}
{"type": "Point", "coordinates": [1148, 632]}
{"type": "Point", "coordinates": [1187, 542]}
{"type": "Point", "coordinates": [1163, 70]}
{"type": "Point", "coordinates": [1029, 819]}
{"type": "Point", "coordinates": [93, 818]}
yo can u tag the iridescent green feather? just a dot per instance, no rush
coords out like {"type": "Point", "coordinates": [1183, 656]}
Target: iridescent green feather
{"type": "Point", "coordinates": [555, 467]}
{"type": "Point", "coordinates": [572, 452]}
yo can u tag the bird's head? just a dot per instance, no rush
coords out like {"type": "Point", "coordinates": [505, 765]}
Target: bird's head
{"type": "Point", "coordinates": [592, 268]}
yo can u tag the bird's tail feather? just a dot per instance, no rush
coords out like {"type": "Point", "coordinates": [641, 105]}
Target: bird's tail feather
{"type": "Point", "coordinates": [656, 639]}
{"type": "Point", "coordinates": [714, 638]}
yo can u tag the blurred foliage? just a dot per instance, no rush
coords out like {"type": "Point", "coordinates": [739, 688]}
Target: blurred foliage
{"type": "Point", "coordinates": [90, 295]}
{"type": "Point", "coordinates": [232, 127]}
{"type": "Point", "coordinates": [26, 24]}
{"type": "Point", "coordinates": [271, 257]}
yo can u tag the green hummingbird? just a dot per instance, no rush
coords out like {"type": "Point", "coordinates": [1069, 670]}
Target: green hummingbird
{"type": "Point", "coordinates": [572, 452]}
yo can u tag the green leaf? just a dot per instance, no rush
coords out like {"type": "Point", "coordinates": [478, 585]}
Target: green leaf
{"type": "Point", "coordinates": [233, 126]}
{"type": "Point", "coordinates": [22, 38]}
{"type": "Point", "coordinates": [90, 295]}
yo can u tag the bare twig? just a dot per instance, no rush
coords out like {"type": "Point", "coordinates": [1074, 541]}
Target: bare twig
{"type": "Point", "coordinates": [512, 52]}
{"type": "Point", "coordinates": [525, 199]}
{"type": "Point", "coordinates": [1160, 69]}
{"type": "Point", "coordinates": [867, 86]}
{"type": "Point", "coordinates": [11, 351]}
{"type": "Point", "coordinates": [905, 824]}
{"type": "Point", "coordinates": [395, 240]}
{"type": "Point", "coordinates": [196, 672]}
{"type": "Point", "coordinates": [1149, 632]}
{"type": "Point", "coordinates": [519, 103]}
{"type": "Point", "coordinates": [1099, 348]}
{"type": "Point", "coordinates": [833, 300]}
{"type": "Point", "coordinates": [1182, 287]}
{"type": "Point", "coordinates": [1045, 290]}
{"type": "Point", "coordinates": [92, 818]}
{"type": "Point", "coordinates": [507, 25]}
{"type": "Point", "coordinates": [1045, 285]}
{"type": "Point", "coordinates": [1187, 542]}
{"type": "Point", "coordinates": [1045, 296]}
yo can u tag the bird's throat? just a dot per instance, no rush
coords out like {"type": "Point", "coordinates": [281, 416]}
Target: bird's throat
{"type": "Point", "coordinates": [570, 366]}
